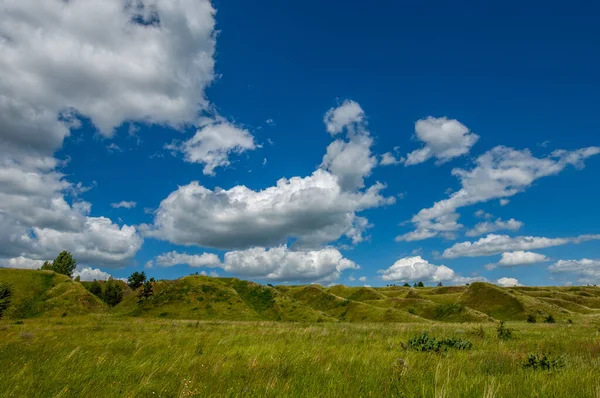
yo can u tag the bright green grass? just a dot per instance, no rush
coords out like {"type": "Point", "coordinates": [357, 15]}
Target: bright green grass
{"type": "Point", "coordinates": [110, 356]}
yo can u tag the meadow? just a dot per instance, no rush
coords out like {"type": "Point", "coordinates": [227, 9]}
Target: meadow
{"type": "Point", "coordinates": [64, 343]}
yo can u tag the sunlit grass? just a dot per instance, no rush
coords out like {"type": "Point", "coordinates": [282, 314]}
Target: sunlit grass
{"type": "Point", "coordinates": [108, 356]}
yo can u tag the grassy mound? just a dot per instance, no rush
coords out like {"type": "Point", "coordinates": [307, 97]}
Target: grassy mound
{"type": "Point", "coordinates": [493, 301]}
{"type": "Point", "coordinates": [37, 293]}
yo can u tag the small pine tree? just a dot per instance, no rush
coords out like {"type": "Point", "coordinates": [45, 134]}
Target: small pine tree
{"type": "Point", "coordinates": [415, 284]}
{"type": "Point", "coordinates": [113, 292]}
{"type": "Point", "coordinates": [146, 291]}
{"type": "Point", "coordinates": [47, 266]}
{"type": "Point", "coordinates": [64, 264]}
{"type": "Point", "coordinates": [406, 285]}
{"type": "Point", "coordinates": [136, 280]}
{"type": "Point", "coordinates": [5, 296]}
{"type": "Point", "coordinates": [440, 284]}
{"type": "Point", "coordinates": [420, 284]}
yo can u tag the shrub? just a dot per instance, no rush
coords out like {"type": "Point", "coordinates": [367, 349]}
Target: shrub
{"type": "Point", "coordinates": [5, 296]}
{"type": "Point", "coordinates": [406, 285]}
{"type": "Point", "coordinates": [503, 332]}
{"type": "Point", "coordinates": [136, 280]}
{"type": "Point", "coordinates": [531, 318]}
{"type": "Point", "coordinates": [550, 319]}
{"type": "Point", "coordinates": [146, 291]}
{"type": "Point", "coordinates": [420, 284]}
{"type": "Point", "coordinates": [95, 288]}
{"type": "Point", "coordinates": [543, 362]}
{"type": "Point", "coordinates": [426, 343]}
{"type": "Point", "coordinates": [64, 263]}
{"type": "Point", "coordinates": [47, 266]}
{"type": "Point", "coordinates": [113, 292]}
{"type": "Point", "coordinates": [411, 310]}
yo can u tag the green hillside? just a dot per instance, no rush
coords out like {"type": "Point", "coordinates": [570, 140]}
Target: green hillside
{"type": "Point", "coordinates": [45, 293]}
{"type": "Point", "coordinates": [37, 293]}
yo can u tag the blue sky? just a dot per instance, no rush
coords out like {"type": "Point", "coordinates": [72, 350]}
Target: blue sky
{"type": "Point", "coordinates": [471, 96]}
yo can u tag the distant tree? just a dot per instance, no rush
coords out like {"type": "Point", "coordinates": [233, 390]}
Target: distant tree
{"type": "Point", "coordinates": [47, 266]}
{"type": "Point", "coordinates": [77, 278]}
{"type": "Point", "coordinates": [152, 280]}
{"type": "Point", "coordinates": [415, 284]}
{"type": "Point", "coordinates": [95, 288]}
{"type": "Point", "coordinates": [113, 292]}
{"type": "Point", "coordinates": [146, 291]}
{"type": "Point", "coordinates": [5, 295]}
{"type": "Point", "coordinates": [440, 284]}
{"type": "Point", "coordinates": [136, 280]}
{"type": "Point", "coordinates": [406, 285]}
{"type": "Point", "coordinates": [64, 263]}
{"type": "Point", "coordinates": [550, 319]}
{"type": "Point", "coordinates": [420, 284]}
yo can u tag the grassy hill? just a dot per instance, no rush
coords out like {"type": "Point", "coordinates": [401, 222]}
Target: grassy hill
{"type": "Point", "coordinates": [44, 293]}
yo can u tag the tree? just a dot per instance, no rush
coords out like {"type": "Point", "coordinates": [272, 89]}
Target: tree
{"type": "Point", "coordinates": [95, 288]}
{"type": "Point", "coordinates": [420, 284]}
{"type": "Point", "coordinates": [146, 291]}
{"type": "Point", "coordinates": [136, 280]}
{"type": "Point", "coordinates": [415, 284]}
{"type": "Point", "coordinates": [47, 266]}
{"type": "Point", "coordinates": [113, 292]}
{"type": "Point", "coordinates": [77, 278]}
{"type": "Point", "coordinates": [406, 285]}
{"type": "Point", "coordinates": [440, 284]}
{"type": "Point", "coordinates": [5, 295]}
{"type": "Point", "coordinates": [64, 264]}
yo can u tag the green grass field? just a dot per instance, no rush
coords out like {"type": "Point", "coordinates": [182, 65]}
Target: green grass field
{"type": "Point", "coordinates": [243, 339]}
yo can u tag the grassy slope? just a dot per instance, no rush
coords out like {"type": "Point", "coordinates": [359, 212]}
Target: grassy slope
{"type": "Point", "coordinates": [38, 293]}
{"type": "Point", "coordinates": [231, 299]}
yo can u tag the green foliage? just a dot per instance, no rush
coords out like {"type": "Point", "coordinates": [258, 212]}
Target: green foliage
{"type": "Point", "coordinates": [406, 285]}
{"type": "Point", "coordinates": [440, 284]}
{"type": "Point", "coordinates": [531, 318]}
{"type": "Point", "coordinates": [146, 291]}
{"type": "Point", "coordinates": [503, 332]}
{"type": "Point", "coordinates": [426, 343]}
{"type": "Point", "coordinates": [95, 288]}
{"type": "Point", "coordinates": [444, 311]}
{"type": "Point", "coordinates": [136, 280]}
{"type": "Point", "coordinates": [550, 319]}
{"type": "Point", "coordinates": [411, 310]}
{"type": "Point", "coordinates": [6, 291]}
{"type": "Point", "coordinates": [113, 292]}
{"type": "Point", "coordinates": [77, 279]}
{"type": "Point", "coordinates": [64, 263]}
{"type": "Point", "coordinates": [47, 266]}
{"type": "Point", "coordinates": [543, 362]}
{"type": "Point", "coordinates": [420, 284]}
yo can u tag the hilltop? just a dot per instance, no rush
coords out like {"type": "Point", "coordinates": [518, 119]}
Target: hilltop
{"type": "Point", "coordinates": [47, 294]}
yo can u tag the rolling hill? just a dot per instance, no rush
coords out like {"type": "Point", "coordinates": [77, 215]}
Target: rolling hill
{"type": "Point", "coordinates": [47, 294]}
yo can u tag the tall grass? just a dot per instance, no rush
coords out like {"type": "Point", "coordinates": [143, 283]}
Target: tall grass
{"type": "Point", "coordinates": [108, 356]}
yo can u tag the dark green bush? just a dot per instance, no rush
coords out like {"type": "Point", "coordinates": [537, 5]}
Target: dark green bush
{"type": "Point", "coordinates": [543, 362]}
{"type": "Point", "coordinates": [531, 318]}
{"type": "Point", "coordinates": [426, 343]}
{"type": "Point", "coordinates": [503, 332]}
{"type": "Point", "coordinates": [5, 296]}
{"type": "Point", "coordinates": [550, 319]}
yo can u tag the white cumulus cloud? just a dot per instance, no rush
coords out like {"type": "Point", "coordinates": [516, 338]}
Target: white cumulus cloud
{"type": "Point", "coordinates": [346, 116]}
{"type": "Point", "coordinates": [418, 269]}
{"type": "Point", "coordinates": [508, 282]}
{"type": "Point", "coordinates": [499, 173]}
{"type": "Point", "coordinates": [444, 139]}
{"type": "Point", "coordinates": [486, 227]}
{"type": "Point", "coordinates": [123, 204]}
{"type": "Point", "coordinates": [495, 244]}
{"type": "Point", "coordinates": [520, 257]}
{"type": "Point", "coordinates": [586, 270]}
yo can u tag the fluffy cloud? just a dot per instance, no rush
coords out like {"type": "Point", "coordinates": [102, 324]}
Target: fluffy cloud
{"type": "Point", "coordinates": [444, 139]}
{"type": "Point", "coordinates": [90, 274]}
{"type": "Point", "coordinates": [23, 262]}
{"type": "Point", "coordinates": [495, 244]}
{"type": "Point", "coordinates": [213, 143]}
{"type": "Point", "coordinates": [486, 227]}
{"type": "Point", "coordinates": [587, 271]}
{"type": "Point", "coordinates": [499, 173]}
{"type": "Point", "coordinates": [520, 257]}
{"type": "Point", "coordinates": [313, 209]}
{"type": "Point", "coordinates": [146, 60]}
{"type": "Point", "coordinates": [123, 204]}
{"type": "Point", "coordinates": [277, 264]}
{"type": "Point", "coordinates": [174, 258]}
{"type": "Point", "coordinates": [508, 282]}
{"type": "Point", "coordinates": [417, 269]}
{"type": "Point", "coordinates": [346, 116]}
{"type": "Point", "coordinates": [388, 159]}
{"type": "Point", "coordinates": [349, 159]}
